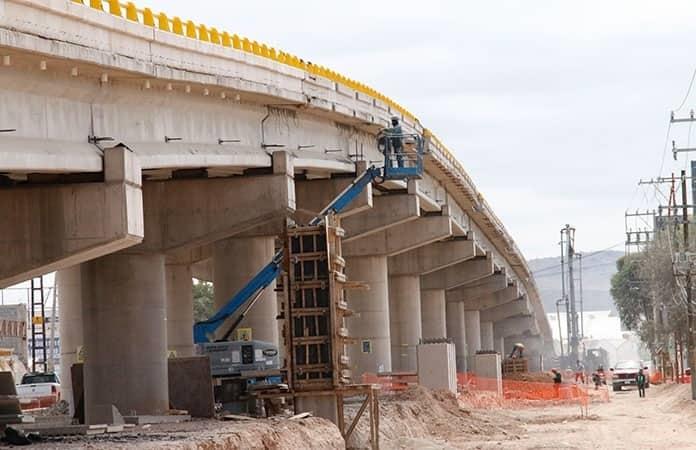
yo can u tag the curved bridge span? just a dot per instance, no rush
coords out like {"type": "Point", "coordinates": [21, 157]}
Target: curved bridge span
{"type": "Point", "coordinates": [138, 150]}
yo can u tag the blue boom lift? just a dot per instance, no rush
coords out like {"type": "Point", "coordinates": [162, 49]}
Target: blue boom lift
{"type": "Point", "coordinates": [403, 160]}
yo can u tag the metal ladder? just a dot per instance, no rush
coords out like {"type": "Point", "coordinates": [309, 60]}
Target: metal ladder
{"type": "Point", "coordinates": [38, 326]}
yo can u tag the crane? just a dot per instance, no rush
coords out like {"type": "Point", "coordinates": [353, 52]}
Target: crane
{"type": "Point", "coordinates": [403, 160]}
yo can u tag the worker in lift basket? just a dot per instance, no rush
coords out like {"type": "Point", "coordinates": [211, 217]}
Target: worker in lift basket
{"type": "Point", "coordinates": [640, 381]}
{"type": "Point", "coordinates": [395, 136]}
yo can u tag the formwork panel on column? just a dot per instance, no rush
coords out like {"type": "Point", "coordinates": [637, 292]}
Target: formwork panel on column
{"type": "Point", "coordinates": [315, 308]}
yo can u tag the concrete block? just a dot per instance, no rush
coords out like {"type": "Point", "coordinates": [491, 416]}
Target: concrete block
{"type": "Point", "coordinates": [487, 367]}
{"type": "Point", "coordinates": [437, 366]}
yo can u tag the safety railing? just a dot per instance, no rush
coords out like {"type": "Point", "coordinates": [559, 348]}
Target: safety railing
{"type": "Point", "coordinates": [212, 35]}
{"type": "Point", "coordinates": [403, 155]}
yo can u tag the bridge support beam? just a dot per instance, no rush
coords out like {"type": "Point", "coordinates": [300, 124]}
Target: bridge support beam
{"type": "Point", "coordinates": [69, 284]}
{"type": "Point", "coordinates": [235, 262]}
{"type": "Point", "coordinates": [459, 274]}
{"type": "Point", "coordinates": [487, 336]}
{"type": "Point", "coordinates": [517, 307]}
{"type": "Point", "coordinates": [473, 335]}
{"type": "Point", "coordinates": [179, 309]}
{"type": "Point", "coordinates": [125, 335]}
{"type": "Point", "coordinates": [46, 228]}
{"type": "Point", "coordinates": [433, 314]}
{"type": "Point", "coordinates": [405, 321]}
{"type": "Point", "coordinates": [370, 323]}
{"type": "Point", "coordinates": [456, 330]}
{"type": "Point", "coordinates": [516, 326]}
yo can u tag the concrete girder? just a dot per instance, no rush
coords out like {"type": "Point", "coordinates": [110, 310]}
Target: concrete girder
{"type": "Point", "coordinates": [481, 288]}
{"type": "Point", "coordinates": [46, 228]}
{"type": "Point", "coordinates": [401, 238]}
{"type": "Point", "coordinates": [518, 307]}
{"type": "Point", "coordinates": [313, 195]}
{"type": "Point", "coordinates": [516, 325]}
{"type": "Point", "coordinates": [387, 211]}
{"type": "Point", "coordinates": [182, 214]}
{"type": "Point", "coordinates": [433, 257]}
{"type": "Point", "coordinates": [459, 274]}
{"type": "Point", "coordinates": [501, 297]}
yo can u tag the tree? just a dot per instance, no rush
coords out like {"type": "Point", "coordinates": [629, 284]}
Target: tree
{"type": "Point", "coordinates": [202, 300]}
{"type": "Point", "coordinates": [631, 293]}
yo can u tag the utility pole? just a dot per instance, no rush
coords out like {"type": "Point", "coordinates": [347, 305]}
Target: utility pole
{"type": "Point", "coordinates": [689, 305]}
{"type": "Point", "coordinates": [582, 305]}
{"type": "Point", "coordinates": [568, 238]}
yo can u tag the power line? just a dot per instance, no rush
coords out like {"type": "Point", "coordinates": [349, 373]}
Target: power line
{"type": "Point", "coordinates": [584, 256]}
{"type": "Point", "coordinates": [688, 91]}
{"type": "Point", "coordinates": [584, 268]}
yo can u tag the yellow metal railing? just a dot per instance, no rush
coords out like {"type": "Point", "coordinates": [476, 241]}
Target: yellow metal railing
{"type": "Point", "coordinates": [200, 32]}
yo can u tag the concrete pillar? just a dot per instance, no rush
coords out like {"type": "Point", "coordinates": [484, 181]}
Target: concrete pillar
{"type": "Point", "coordinates": [70, 327]}
{"type": "Point", "coordinates": [487, 339]}
{"type": "Point", "coordinates": [405, 321]}
{"type": "Point", "coordinates": [433, 314]}
{"type": "Point", "coordinates": [500, 346]}
{"type": "Point", "coordinates": [235, 262]}
{"type": "Point", "coordinates": [125, 335]}
{"type": "Point", "coordinates": [456, 330]}
{"type": "Point", "coordinates": [179, 309]}
{"type": "Point", "coordinates": [370, 323]}
{"type": "Point", "coordinates": [473, 335]}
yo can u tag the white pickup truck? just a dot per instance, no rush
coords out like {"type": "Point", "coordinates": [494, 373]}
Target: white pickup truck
{"type": "Point", "coordinates": [38, 390]}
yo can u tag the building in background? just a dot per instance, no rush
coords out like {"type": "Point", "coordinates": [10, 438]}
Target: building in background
{"type": "Point", "coordinates": [13, 329]}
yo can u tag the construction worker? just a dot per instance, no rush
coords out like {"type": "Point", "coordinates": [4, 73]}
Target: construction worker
{"type": "Point", "coordinates": [395, 136]}
{"type": "Point", "coordinates": [557, 380]}
{"type": "Point", "coordinates": [580, 372]}
{"type": "Point", "coordinates": [641, 381]}
{"type": "Point", "coordinates": [517, 351]}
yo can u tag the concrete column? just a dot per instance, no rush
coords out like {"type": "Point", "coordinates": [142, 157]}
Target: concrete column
{"type": "Point", "coordinates": [235, 262]}
{"type": "Point", "coordinates": [500, 346]}
{"type": "Point", "coordinates": [179, 309]}
{"type": "Point", "coordinates": [433, 314]}
{"type": "Point", "coordinates": [473, 335]}
{"type": "Point", "coordinates": [70, 327]}
{"type": "Point", "coordinates": [487, 340]}
{"type": "Point", "coordinates": [125, 332]}
{"type": "Point", "coordinates": [404, 321]}
{"type": "Point", "coordinates": [370, 323]}
{"type": "Point", "coordinates": [456, 330]}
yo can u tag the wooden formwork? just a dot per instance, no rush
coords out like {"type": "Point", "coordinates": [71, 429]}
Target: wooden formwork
{"type": "Point", "coordinates": [315, 334]}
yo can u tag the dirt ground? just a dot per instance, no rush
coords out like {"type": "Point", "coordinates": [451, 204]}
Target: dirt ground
{"type": "Point", "coordinates": [665, 419]}
{"type": "Point", "coordinates": [422, 419]}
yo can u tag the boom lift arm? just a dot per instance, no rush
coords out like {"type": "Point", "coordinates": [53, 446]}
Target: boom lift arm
{"type": "Point", "coordinates": [204, 331]}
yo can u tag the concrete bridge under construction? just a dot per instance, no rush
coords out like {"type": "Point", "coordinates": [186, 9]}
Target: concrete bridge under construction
{"type": "Point", "coordinates": [138, 151]}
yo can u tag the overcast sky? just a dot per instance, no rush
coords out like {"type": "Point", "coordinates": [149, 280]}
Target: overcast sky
{"type": "Point", "coordinates": [555, 108]}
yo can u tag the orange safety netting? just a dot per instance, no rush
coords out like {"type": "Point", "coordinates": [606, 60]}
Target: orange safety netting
{"type": "Point", "coordinates": [487, 392]}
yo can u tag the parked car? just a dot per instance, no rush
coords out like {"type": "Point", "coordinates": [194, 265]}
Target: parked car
{"type": "Point", "coordinates": [38, 390]}
{"type": "Point", "coordinates": [624, 374]}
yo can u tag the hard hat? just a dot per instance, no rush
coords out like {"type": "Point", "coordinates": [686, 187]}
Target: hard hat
{"type": "Point", "coordinates": [395, 118]}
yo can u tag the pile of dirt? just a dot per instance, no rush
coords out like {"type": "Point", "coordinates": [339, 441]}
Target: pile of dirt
{"type": "Point", "coordinates": [536, 377]}
{"type": "Point", "coordinates": [418, 413]}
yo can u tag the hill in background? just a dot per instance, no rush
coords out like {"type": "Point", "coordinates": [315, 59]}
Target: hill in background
{"type": "Point", "coordinates": [598, 269]}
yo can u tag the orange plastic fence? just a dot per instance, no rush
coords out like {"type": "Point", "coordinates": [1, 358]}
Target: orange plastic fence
{"type": "Point", "coordinates": [483, 392]}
